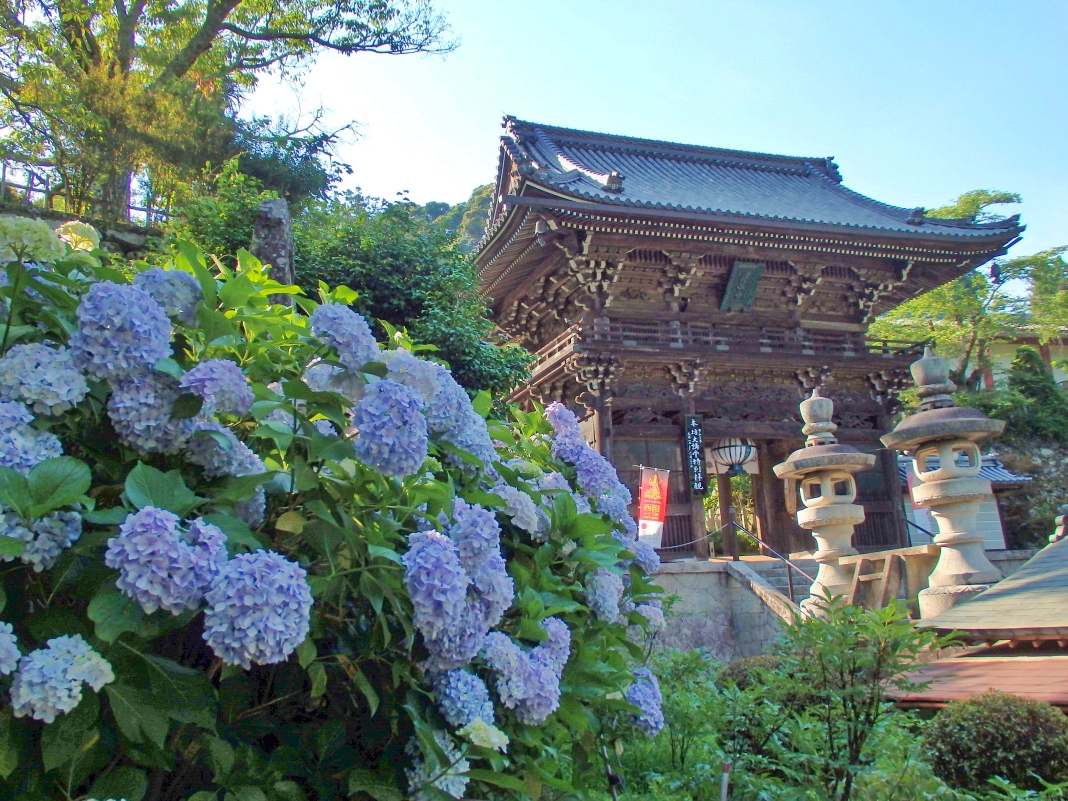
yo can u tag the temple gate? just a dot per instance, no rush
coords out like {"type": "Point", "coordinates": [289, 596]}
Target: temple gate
{"type": "Point", "coordinates": [657, 282]}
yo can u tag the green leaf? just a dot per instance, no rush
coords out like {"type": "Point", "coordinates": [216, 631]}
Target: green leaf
{"type": "Point", "coordinates": [58, 482]}
{"type": "Point", "coordinates": [245, 793]}
{"type": "Point", "coordinates": [15, 492]}
{"type": "Point", "coordinates": [9, 748]}
{"type": "Point", "coordinates": [238, 535]}
{"type": "Point", "coordinates": [385, 553]}
{"type": "Point", "coordinates": [367, 690]}
{"type": "Point", "coordinates": [306, 652]}
{"type": "Point", "coordinates": [204, 795]}
{"type": "Point", "coordinates": [127, 783]}
{"type": "Point", "coordinates": [184, 693]}
{"type": "Point", "coordinates": [317, 674]}
{"type": "Point", "coordinates": [114, 614]}
{"type": "Point", "coordinates": [195, 261]}
{"type": "Point", "coordinates": [377, 785]}
{"type": "Point", "coordinates": [62, 739]}
{"type": "Point", "coordinates": [9, 546]}
{"type": "Point", "coordinates": [138, 719]}
{"type": "Point", "coordinates": [238, 488]}
{"type": "Point", "coordinates": [482, 403]}
{"type": "Point", "coordinates": [214, 324]}
{"type": "Point", "coordinates": [106, 517]}
{"type": "Point", "coordinates": [288, 791]}
{"type": "Point", "coordinates": [147, 486]}
{"type": "Point", "coordinates": [168, 367]}
{"type": "Point", "coordinates": [220, 756]}
{"type": "Point", "coordinates": [236, 292]}
{"type": "Point", "coordinates": [499, 780]}
{"type": "Point", "coordinates": [186, 405]}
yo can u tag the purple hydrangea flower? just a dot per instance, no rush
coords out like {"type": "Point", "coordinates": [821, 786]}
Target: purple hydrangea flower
{"type": "Point", "coordinates": [258, 609]}
{"type": "Point", "coordinates": [10, 654]}
{"type": "Point", "coordinates": [176, 291]}
{"type": "Point", "coordinates": [140, 409]}
{"type": "Point", "coordinates": [446, 404]}
{"type": "Point", "coordinates": [644, 693]}
{"type": "Point", "coordinates": [346, 332]}
{"type": "Point", "coordinates": [121, 331]}
{"type": "Point", "coordinates": [162, 567]}
{"type": "Point", "coordinates": [43, 378]}
{"type": "Point", "coordinates": [325, 428]}
{"type": "Point", "coordinates": [22, 447]}
{"type": "Point", "coordinates": [233, 459]}
{"type": "Point", "coordinates": [48, 681]}
{"type": "Point", "coordinates": [450, 776]}
{"type": "Point", "coordinates": [46, 537]}
{"type": "Point", "coordinates": [462, 698]}
{"type": "Point", "coordinates": [323, 377]}
{"type": "Point", "coordinates": [494, 589]}
{"type": "Point", "coordinates": [392, 430]}
{"type": "Point", "coordinates": [472, 435]}
{"type": "Point", "coordinates": [529, 682]}
{"type": "Point", "coordinates": [653, 614]}
{"type": "Point", "coordinates": [604, 589]}
{"type": "Point", "coordinates": [436, 582]}
{"type": "Point", "coordinates": [221, 384]}
{"type": "Point", "coordinates": [646, 557]}
{"type": "Point", "coordinates": [520, 507]}
{"type": "Point", "coordinates": [476, 533]}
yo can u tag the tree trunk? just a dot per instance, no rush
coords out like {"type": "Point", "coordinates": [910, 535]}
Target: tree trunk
{"type": "Point", "coordinates": [115, 196]}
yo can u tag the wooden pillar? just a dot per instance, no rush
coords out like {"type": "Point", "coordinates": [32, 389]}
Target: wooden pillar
{"type": "Point", "coordinates": [764, 499]}
{"type": "Point", "coordinates": [730, 536]}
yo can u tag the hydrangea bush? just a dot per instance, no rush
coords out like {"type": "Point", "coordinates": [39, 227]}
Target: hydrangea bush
{"type": "Point", "coordinates": [252, 553]}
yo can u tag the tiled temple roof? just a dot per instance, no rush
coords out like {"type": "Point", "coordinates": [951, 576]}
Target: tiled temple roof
{"type": "Point", "coordinates": [990, 469]}
{"type": "Point", "coordinates": [641, 173]}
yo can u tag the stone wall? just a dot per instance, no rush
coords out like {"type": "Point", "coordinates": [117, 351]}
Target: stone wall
{"type": "Point", "coordinates": [723, 607]}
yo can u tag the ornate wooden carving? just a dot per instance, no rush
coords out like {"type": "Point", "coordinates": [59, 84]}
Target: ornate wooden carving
{"type": "Point", "coordinates": [809, 378]}
{"type": "Point", "coordinates": [677, 277]}
{"type": "Point", "coordinates": [686, 375]}
{"type": "Point", "coordinates": [802, 284]}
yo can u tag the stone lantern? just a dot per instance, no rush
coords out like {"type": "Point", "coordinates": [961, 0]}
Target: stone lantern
{"type": "Point", "coordinates": [824, 472]}
{"type": "Point", "coordinates": [952, 490]}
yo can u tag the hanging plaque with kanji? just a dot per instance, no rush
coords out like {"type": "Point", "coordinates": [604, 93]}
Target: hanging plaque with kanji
{"type": "Point", "coordinates": [693, 441]}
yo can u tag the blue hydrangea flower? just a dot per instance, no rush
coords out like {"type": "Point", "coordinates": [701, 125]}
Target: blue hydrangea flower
{"type": "Point", "coordinates": [258, 609]}
{"type": "Point", "coordinates": [392, 430]}
{"type": "Point", "coordinates": [323, 377]}
{"type": "Point", "coordinates": [346, 332]}
{"type": "Point", "coordinates": [50, 536]}
{"type": "Point", "coordinates": [10, 654]}
{"type": "Point", "coordinates": [604, 589]}
{"type": "Point", "coordinates": [435, 580]}
{"type": "Point", "coordinates": [221, 384]}
{"type": "Point", "coordinates": [43, 378]}
{"type": "Point", "coordinates": [654, 616]}
{"type": "Point", "coordinates": [494, 589]}
{"type": "Point", "coordinates": [446, 404]}
{"type": "Point", "coordinates": [646, 557]}
{"type": "Point", "coordinates": [462, 698]}
{"type": "Point", "coordinates": [557, 481]}
{"type": "Point", "coordinates": [529, 683]}
{"type": "Point", "coordinates": [449, 777]}
{"type": "Point", "coordinates": [49, 681]}
{"type": "Point", "coordinates": [140, 408]}
{"type": "Point", "coordinates": [520, 507]}
{"type": "Point", "coordinates": [177, 292]}
{"type": "Point", "coordinates": [325, 428]}
{"type": "Point", "coordinates": [121, 331]}
{"type": "Point", "coordinates": [476, 533]}
{"type": "Point", "coordinates": [644, 693]}
{"type": "Point", "coordinates": [21, 445]}
{"type": "Point", "coordinates": [233, 459]}
{"type": "Point", "coordinates": [162, 567]}
{"type": "Point", "coordinates": [472, 435]}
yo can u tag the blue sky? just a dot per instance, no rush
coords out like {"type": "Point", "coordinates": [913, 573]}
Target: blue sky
{"type": "Point", "coordinates": [917, 101]}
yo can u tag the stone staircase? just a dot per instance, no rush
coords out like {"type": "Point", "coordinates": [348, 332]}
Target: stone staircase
{"type": "Point", "coordinates": [773, 572]}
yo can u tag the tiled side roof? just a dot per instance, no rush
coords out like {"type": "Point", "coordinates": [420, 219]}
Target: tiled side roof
{"type": "Point", "coordinates": [625, 171]}
{"type": "Point", "coordinates": [1032, 601]}
{"type": "Point", "coordinates": [990, 469]}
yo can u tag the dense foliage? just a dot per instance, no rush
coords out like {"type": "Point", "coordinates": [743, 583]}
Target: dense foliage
{"type": "Point", "coordinates": [996, 734]}
{"type": "Point", "coordinates": [94, 93]}
{"type": "Point", "coordinates": [254, 555]}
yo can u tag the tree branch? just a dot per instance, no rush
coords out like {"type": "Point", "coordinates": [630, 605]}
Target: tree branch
{"type": "Point", "coordinates": [200, 43]}
{"type": "Point", "coordinates": [126, 35]}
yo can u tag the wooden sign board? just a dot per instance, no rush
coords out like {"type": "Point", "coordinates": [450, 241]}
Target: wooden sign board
{"type": "Point", "coordinates": [741, 287]}
{"type": "Point", "coordinates": [693, 443]}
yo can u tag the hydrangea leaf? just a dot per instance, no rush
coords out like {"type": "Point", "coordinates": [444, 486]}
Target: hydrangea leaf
{"type": "Point", "coordinates": [147, 486]}
{"type": "Point", "coordinates": [115, 614]}
{"type": "Point", "coordinates": [9, 746]}
{"type": "Point", "coordinates": [482, 403]}
{"type": "Point", "coordinates": [15, 492]}
{"type": "Point", "coordinates": [220, 756]}
{"type": "Point", "coordinates": [186, 406]}
{"type": "Point", "coordinates": [62, 739]}
{"type": "Point", "coordinates": [185, 694]}
{"type": "Point", "coordinates": [238, 535]}
{"type": "Point", "coordinates": [9, 546]}
{"type": "Point", "coordinates": [236, 292]}
{"type": "Point", "coordinates": [379, 786]}
{"type": "Point", "coordinates": [127, 783]}
{"type": "Point", "coordinates": [215, 325]}
{"type": "Point", "coordinates": [169, 367]}
{"type": "Point", "coordinates": [194, 261]}
{"type": "Point", "coordinates": [502, 780]}
{"type": "Point", "coordinates": [57, 482]}
{"type": "Point", "coordinates": [137, 718]}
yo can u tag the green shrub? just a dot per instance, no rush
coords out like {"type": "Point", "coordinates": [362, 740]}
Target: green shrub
{"type": "Point", "coordinates": [997, 734]}
{"type": "Point", "coordinates": [748, 671]}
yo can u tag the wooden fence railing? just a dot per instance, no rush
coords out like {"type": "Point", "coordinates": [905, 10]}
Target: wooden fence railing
{"type": "Point", "coordinates": [34, 186]}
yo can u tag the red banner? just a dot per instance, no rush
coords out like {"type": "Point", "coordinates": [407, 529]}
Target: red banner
{"type": "Point", "coordinates": [652, 504]}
